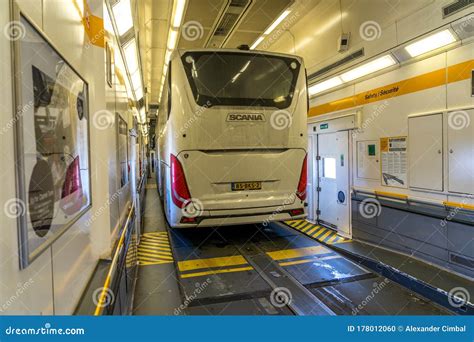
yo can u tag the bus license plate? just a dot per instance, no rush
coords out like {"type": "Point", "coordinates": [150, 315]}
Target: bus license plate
{"type": "Point", "coordinates": [240, 186]}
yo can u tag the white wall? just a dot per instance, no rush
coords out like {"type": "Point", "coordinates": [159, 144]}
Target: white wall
{"type": "Point", "coordinates": [54, 282]}
{"type": "Point", "coordinates": [314, 37]}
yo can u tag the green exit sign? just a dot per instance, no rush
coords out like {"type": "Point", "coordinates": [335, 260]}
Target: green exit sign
{"type": "Point", "coordinates": [324, 126]}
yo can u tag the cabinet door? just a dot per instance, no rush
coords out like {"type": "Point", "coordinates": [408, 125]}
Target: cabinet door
{"type": "Point", "coordinates": [425, 150]}
{"type": "Point", "coordinates": [461, 151]}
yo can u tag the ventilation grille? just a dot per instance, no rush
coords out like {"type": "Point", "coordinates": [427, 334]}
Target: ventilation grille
{"type": "Point", "coordinates": [227, 22]}
{"type": "Point", "coordinates": [345, 60]}
{"type": "Point", "coordinates": [462, 260]}
{"type": "Point", "coordinates": [456, 7]}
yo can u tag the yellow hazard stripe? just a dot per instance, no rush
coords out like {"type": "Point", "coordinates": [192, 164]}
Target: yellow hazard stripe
{"type": "Point", "coordinates": [297, 253]}
{"type": "Point", "coordinates": [189, 265]}
{"type": "Point", "coordinates": [322, 234]}
{"type": "Point", "coordinates": [225, 270]}
{"type": "Point", "coordinates": [305, 261]}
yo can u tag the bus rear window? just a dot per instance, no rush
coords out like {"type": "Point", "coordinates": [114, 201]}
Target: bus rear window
{"type": "Point", "coordinates": [241, 79]}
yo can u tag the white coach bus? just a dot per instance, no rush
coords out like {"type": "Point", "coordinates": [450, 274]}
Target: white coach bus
{"type": "Point", "coordinates": [232, 138]}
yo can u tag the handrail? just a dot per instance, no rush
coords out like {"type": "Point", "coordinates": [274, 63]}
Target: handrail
{"type": "Point", "coordinates": [458, 205]}
{"type": "Point", "coordinates": [391, 195]}
{"type": "Point", "coordinates": [409, 201]}
{"type": "Point", "coordinates": [102, 298]}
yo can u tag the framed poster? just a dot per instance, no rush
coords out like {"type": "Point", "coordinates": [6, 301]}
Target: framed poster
{"type": "Point", "coordinates": [394, 161]}
{"type": "Point", "coordinates": [52, 141]}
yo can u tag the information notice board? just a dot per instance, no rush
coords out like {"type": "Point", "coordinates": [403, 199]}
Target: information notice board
{"type": "Point", "coordinates": [394, 161]}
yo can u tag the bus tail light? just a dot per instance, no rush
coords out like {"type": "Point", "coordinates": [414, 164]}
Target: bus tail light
{"type": "Point", "coordinates": [179, 188]}
{"type": "Point", "coordinates": [301, 191]}
{"type": "Point", "coordinates": [296, 212]}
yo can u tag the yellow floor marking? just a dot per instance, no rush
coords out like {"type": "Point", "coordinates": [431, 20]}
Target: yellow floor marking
{"type": "Point", "coordinates": [305, 229]}
{"type": "Point", "coordinates": [156, 239]}
{"type": "Point", "coordinates": [325, 236]}
{"type": "Point", "coordinates": [321, 231]}
{"type": "Point", "coordinates": [155, 248]}
{"type": "Point", "coordinates": [225, 270]}
{"type": "Point", "coordinates": [305, 261]}
{"type": "Point", "coordinates": [157, 253]}
{"type": "Point", "coordinates": [188, 265]}
{"type": "Point", "coordinates": [331, 240]}
{"type": "Point", "coordinates": [298, 252]}
{"type": "Point", "coordinates": [154, 256]}
{"type": "Point", "coordinates": [300, 224]}
{"type": "Point", "coordinates": [148, 244]}
{"type": "Point", "coordinates": [149, 263]}
{"type": "Point", "coordinates": [309, 232]}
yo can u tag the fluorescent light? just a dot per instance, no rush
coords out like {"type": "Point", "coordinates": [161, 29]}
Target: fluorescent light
{"type": "Point", "coordinates": [123, 16]}
{"type": "Point", "coordinates": [172, 39]}
{"type": "Point", "coordinates": [167, 56]}
{"type": "Point", "coordinates": [142, 115]}
{"type": "Point", "coordinates": [258, 41]}
{"type": "Point", "coordinates": [179, 11]}
{"type": "Point", "coordinates": [430, 43]}
{"type": "Point", "coordinates": [138, 93]}
{"type": "Point", "coordinates": [131, 57]}
{"type": "Point", "coordinates": [325, 85]}
{"type": "Point", "coordinates": [136, 80]}
{"type": "Point", "coordinates": [368, 68]}
{"type": "Point", "coordinates": [277, 22]}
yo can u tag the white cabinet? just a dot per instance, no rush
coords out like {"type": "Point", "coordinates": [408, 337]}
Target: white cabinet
{"type": "Point", "coordinates": [461, 151]}
{"type": "Point", "coordinates": [425, 150]}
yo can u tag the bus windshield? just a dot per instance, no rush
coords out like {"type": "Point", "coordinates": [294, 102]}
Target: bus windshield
{"type": "Point", "coordinates": [241, 79]}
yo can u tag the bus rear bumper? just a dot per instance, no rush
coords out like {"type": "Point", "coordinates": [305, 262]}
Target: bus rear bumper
{"type": "Point", "coordinates": [217, 218]}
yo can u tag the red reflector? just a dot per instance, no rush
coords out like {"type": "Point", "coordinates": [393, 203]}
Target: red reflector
{"type": "Point", "coordinates": [301, 191]}
{"type": "Point", "coordinates": [185, 219]}
{"type": "Point", "coordinates": [296, 212]}
{"type": "Point", "coordinates": [179, 188]}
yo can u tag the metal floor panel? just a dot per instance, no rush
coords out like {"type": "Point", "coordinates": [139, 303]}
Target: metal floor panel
{"type": "Point", "coordinates": [378, 296]}
{"type": "Point", "coordinates": [247, 307]}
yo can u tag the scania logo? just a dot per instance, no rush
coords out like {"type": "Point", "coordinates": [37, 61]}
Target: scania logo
{"type": "Point", "coordinates": [245, 117]}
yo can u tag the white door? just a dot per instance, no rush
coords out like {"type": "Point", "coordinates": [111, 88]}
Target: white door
{"type": "Point", "coordinates": [461, 151]}
{"type": "Point", "coordinates": [333, 168]}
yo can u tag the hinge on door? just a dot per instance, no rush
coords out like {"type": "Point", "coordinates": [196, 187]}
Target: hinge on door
{"type": "Point", "coordinates": [318, 189]}
{"type": "Point", "coordinates": [318, 212]}
{"type": "Point", "coordinates": [318, 157]}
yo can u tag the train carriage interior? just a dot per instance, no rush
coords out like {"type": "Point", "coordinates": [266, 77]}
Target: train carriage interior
{"type": "Point", "coordinates": [237, 158]}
